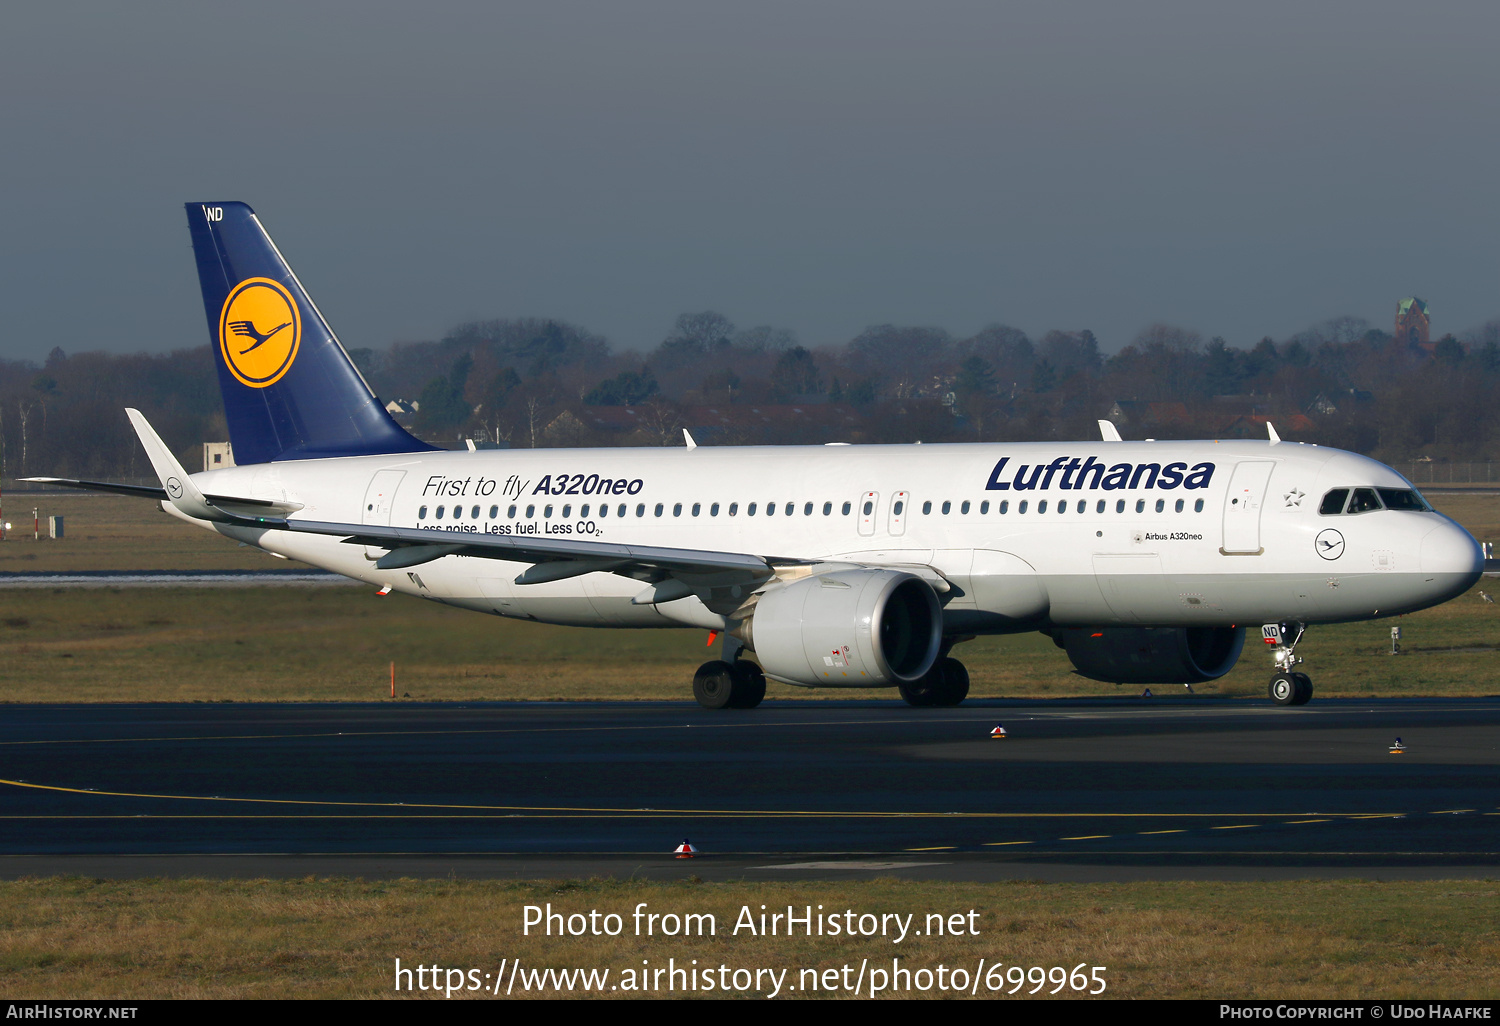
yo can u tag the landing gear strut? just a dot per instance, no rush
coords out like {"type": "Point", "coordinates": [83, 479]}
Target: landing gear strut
{"type": "Point", "coordinates": [1288, 686]}
{"type": "Point", "coordinates": [947, 683]}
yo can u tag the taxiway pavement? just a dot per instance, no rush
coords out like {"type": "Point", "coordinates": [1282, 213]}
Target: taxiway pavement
{"type": "Point", "coordinates": [1080, 789]}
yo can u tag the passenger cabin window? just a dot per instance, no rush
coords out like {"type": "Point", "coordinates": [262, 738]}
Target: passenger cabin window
{"type": "Point", "coordinates": [927, 508]}
{"type": "Point", "coordinates": [713, 510]}
{"type": "Point", "coordinates": [984, 507]}
{"type": "Point", "coordinates": [1004, 506]}
{"type": "Point", "coordinates": [1198, 506]}
{"type": "Point", "coordinates": [495, 511]}
{"type": "Point", "coordinates": [660, 509]}
{"type": "Point", "coordinates": [439, 513]}
{"type": "Point", "coordinates": [1022, 507]}
{"type": "Point", "coordinates": [511, 512]}
{"type": "Point", "coordinates": [640, 509]}
{"type": "Point", "coordinates": [750, 510]}
{"type": "Point", "coordinates": [1364, 500]}
{"type": "Point", "coordinates": [1041, 507]}
{"type": "Point", "coordinates": [807, 510]}
{"type": "Point", "coordinates": [827, 509]}
{"type": "Point", "coordinates": [734, 508]}
{"type": "Point", "coordinates": [947, 507]}
{"type": "Point", "coordinates": [846, 509]}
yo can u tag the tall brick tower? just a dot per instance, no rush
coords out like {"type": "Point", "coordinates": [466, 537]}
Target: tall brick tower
{"type": "Point", "coordinates": [1412, 322]}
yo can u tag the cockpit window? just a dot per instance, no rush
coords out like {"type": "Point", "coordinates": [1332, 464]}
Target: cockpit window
{"type": "Point", "coordinates": [1401, 498]}
{"type": "Point", "coordinates": [1333, 502]}
{"type": "Point", "coordinates": [1363, 501]}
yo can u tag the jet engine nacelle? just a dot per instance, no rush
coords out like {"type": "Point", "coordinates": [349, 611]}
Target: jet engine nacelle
{"type": "Point", "coordinates": [847, 628]}
{"type": "Point", "coordinates": [1151, 655]}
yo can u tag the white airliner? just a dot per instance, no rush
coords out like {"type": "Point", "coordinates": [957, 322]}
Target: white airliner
{"type": "Point", "coordinates": [836, 566]}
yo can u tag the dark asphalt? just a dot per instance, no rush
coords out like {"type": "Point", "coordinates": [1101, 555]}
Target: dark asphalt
{"type": "Point", "coordinates": [1081, 789]}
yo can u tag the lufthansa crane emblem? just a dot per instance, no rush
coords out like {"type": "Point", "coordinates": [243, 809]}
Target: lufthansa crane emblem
{"type": "Point", "coordinates": [1329, 543]}
{"type": "Point", "coordinates": [260, 329]}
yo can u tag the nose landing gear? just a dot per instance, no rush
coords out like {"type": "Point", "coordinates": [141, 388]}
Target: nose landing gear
{"type": "Point", "coordinates": [1288, 686]}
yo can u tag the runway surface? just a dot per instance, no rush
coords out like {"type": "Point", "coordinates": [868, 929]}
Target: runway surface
{"type": "Point", "coordinates": [1080, 789]}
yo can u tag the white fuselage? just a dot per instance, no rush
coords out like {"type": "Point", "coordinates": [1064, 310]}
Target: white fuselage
{"type": "Point", "coordinates": [1112, 533]}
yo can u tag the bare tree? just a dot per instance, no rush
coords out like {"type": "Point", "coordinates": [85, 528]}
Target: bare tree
{"type": "Point", "coordinates": [662, 422]}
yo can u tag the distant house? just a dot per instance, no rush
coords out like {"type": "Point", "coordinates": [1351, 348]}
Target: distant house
{"type": "Point", "coordinates": [217, 455]}
{"type": "Point", "coordinates": [402, 407]}
{"type": "Point", "coordinates": [1327, 405]}
{"type": "Point", "coordinates": [1139, 414]}
{"type": "Point", "coordinates": [1253, 425]}
{"type": "Point", "coordinates": [1322, 405]}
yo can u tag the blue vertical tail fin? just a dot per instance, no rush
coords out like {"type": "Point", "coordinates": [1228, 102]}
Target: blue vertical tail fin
{"type": "Point", "coordinates": [290, 390]}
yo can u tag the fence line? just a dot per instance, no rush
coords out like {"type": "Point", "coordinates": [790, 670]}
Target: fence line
{"type": "Point", "coordinates": [1435, 473]}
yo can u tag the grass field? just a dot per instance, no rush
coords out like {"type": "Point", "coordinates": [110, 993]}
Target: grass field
{"type": "Point", "coordinates": [337, 643]}
{"type": "Point", "coordinates": [340, 938]}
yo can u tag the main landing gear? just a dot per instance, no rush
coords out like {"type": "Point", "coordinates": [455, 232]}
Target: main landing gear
{"type": "Point", "coordinates": [1288, 686]}
{"type": "Point", "coordinates": [947, 683]}
{"type": "Point", "coordinates": [736, 685]}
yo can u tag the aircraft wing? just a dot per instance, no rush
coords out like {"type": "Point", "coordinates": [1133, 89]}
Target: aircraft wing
{"type": "Point", "coordinates": [228, 503]}
{"type": "Point", "coordinates": [554, 559]}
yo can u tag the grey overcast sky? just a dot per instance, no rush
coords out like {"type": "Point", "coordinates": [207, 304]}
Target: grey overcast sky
{"type": "Point", "coordinates": [1241, 169]}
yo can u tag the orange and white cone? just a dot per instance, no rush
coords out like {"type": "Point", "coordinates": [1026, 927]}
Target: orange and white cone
{"type": "Point", "coordinates": [998, 732]}
{"type": "Point", "coordinates": [685, 850]}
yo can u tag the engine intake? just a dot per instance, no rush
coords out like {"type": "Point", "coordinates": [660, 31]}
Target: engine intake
{"type": "Point", "coordinates": [847, 628]}
{"type": "Point", "coordinates": [1151, 655]}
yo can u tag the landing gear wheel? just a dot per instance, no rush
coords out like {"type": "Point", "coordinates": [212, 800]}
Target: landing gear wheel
{"type": "Point", "coordinates": [1284, 688]}
{"type": "Point", "coordinates": [749, 685]}
{"type": "Point", "coordinates": [1304, 689]}
{"type": "Point", "coordinates": [947, 683]}
{"type": "Point", "coordinates": [922, 692]}
{"type": "Point", "coordinates": [953, 686]}
{"type": "Point", "coordinates": [713, 684]}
